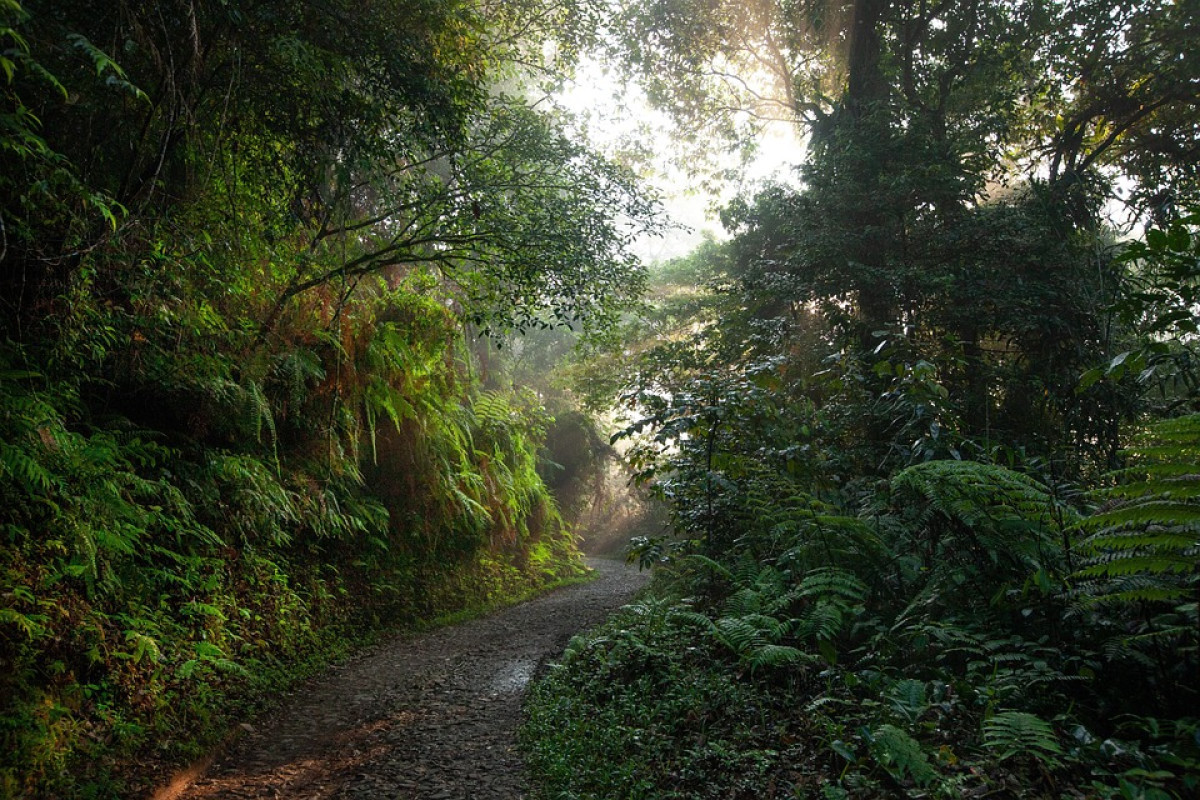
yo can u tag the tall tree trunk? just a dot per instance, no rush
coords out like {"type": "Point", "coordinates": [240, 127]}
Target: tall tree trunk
{"type": "Point", "coordinates": [866, 87]}
{"type": "Point", "coordinates": [866, 129]}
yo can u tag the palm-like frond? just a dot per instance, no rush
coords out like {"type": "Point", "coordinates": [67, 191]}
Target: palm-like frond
{"type": "Point", "coordinates": [1018, 733]}
{"type": "Point", "coordinates": [980, 496]}
{"type": "Point", "coordinates": [1144, 543]}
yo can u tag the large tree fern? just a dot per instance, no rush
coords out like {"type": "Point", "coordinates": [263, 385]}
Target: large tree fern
{"type": "Point", "coordinates": [978, 529]}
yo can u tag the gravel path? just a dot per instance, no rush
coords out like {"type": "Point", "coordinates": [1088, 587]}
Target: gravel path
{"type": "Point", "coordinates": [432, 717]}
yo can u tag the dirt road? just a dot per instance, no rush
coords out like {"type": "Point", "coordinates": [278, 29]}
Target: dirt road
{"type": "Point", "coordinates": [432, 717]}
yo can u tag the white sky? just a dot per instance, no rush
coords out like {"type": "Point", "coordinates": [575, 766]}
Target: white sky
{"type": "Point", "coordinates": [620, 123]}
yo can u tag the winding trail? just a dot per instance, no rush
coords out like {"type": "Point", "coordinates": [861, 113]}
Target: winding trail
{"type": "Point", "coordinates": [432, 717]}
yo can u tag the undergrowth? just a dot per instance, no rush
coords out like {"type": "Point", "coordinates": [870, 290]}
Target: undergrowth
{"type": "Point", "coordinates": [156, 587]}
{"type": "Point", "coordinates": [964, 636]}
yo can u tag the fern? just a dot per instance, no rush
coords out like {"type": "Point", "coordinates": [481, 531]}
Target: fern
{"type": "Point", "coordinates": [1142, 549]}
{"type": "Point", "coordinates": [901, 755]}
{"type": "Point", "coordinates": [774, 656]}
{"type": "Point", "coordinates": [753, 621]}
{"type": "Point", "coordinates": [714, 566]}
{"type": "Point", "coordinates": [1018, 733]}
{"type": "Point", "coordinates": [835, 596]}
{"type": "Point", "coordinates": [749, 571]}
{"type": "Point", "coordinates": [829, 539]}
{"type": "Point", "coordinates": [1145, 543]}
{"type": "Point", "coordinates": [973, 491]}
{"type": "Point", "coordinates": [261, 418]}
{"type": "Point", "coordinates": [293, 373]}
{"type": "Point", "coordinates": [143, 648]}
{"type": "Point", "coordinates": [259, 505]}
{"type": "Point", "coordinates": [694, 618]}
{"type": "Point", "coordinates": [979, 533]}
{"type": "Point", "coordinates": [909, 698]}
{"type": "Point", "coordinates": [823, 622]}
{"type": "Point", "coordinates": [754, 640]}
{"type": "Point", "coordinates": [31, 625]}
{"type": "Point", "coordinates": [739, 634]}
{"type": "Point", "coordinates": [834, 584]}
{"type": "Point", "coordinates": [16, 463]}
{"type": "Point", "coordinates": [980, 496]}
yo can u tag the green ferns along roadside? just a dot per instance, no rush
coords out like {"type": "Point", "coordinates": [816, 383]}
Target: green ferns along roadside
{"type": "Point", "coordinates": [970, 659]}
{"type": "Point", "coordinates": [151, 590]}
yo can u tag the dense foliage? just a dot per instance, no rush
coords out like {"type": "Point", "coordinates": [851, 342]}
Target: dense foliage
{"type": "Point", "coordinates": [926, 421]}
{"type": "Point", "coordinates": [965, 623]}
{"type": "Point", "coordinates": [246, 249]}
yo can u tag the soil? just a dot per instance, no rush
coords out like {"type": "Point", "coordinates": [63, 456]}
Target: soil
{"type": "Point", "coordinates": [431, 717]}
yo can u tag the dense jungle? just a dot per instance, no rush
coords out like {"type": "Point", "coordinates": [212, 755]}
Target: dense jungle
{"type": "Point", "coordinates": [321, 320]}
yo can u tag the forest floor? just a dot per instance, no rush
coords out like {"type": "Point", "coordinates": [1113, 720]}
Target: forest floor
{"type": "Point", "coordinates": [432, 717]}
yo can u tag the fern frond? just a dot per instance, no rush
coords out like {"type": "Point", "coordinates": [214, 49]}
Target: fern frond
{"type": "Point", "coordinates": [771, 628]}
{"type": "Point", "coordinates": [823, 622]}
{"type": "Point", "coordinates": [747, 570]}
{"type": "Point", "coordinates": [737, 634]}
{"type": "Point", "coordinates": [1019, 733]}
{"type": "Point", "coordinates": [1143, 508]}
{"type": "Point", "coordinates": [775, 655]}
{"type": "Point", "coordinates": [710, 564]}
{"type": "Point", "coordinates": [979, 494]}
{"type": "Point", "coordinates": [1131, 590]}
{"type": "Point", "coordinates": [744, 601]}
{"type": "Point", "coordinates": [1121, 648]}
{"type": "Point", "coordinates": [1160, 563]}
{"type": "Point", "coordinates": [1144, 546]}
{"type": "Point", "coordinates": [693, 618]}
{"type": "Point", "coordinates": [1115, 542]}
{"type": "Point", "coordinates": [30, 475]}
{"type": "Point", "coordinates": [831, 583]}
{"type": "Point", "coordinates": [295, 371]}
{"type": "Point", "coordinates": [1180, 484]}
{"type": "Point", "coordinates": [30, 625]}
{"type": "Point", "coordinates": [909, 697]}
{"type": "Point", "coordinates": [901, 755]}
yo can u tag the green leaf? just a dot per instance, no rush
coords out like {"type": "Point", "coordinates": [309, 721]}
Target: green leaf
{"type": "Point", "coordinates": [31, 626]}
{"type": "Point", "coordinates": [1178, 239]}
{"type": "Point", "coordinates": [843, 750]}
{"type": "Point", "coordinates": [1088, 379]}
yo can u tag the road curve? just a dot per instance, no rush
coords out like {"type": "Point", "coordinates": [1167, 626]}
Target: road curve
{"type": "Point", "coordinates": [431, 717]}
